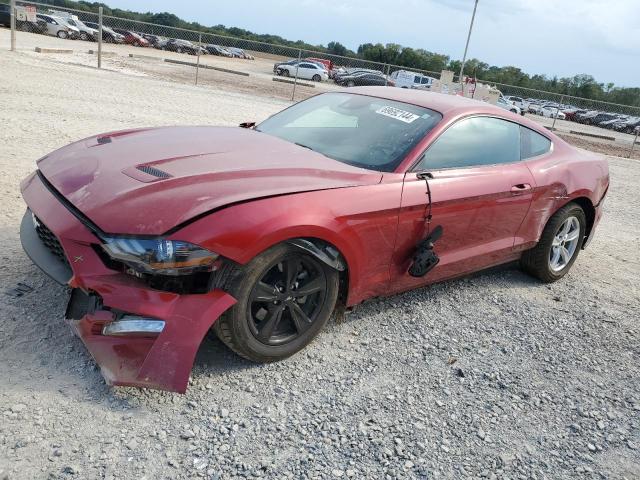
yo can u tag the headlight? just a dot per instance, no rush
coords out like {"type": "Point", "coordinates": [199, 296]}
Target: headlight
{"type": "Point", "coordinates": [160, 256]}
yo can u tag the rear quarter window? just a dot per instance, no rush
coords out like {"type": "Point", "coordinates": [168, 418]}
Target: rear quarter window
{"type": "Point", "coordinates": [532, 144]}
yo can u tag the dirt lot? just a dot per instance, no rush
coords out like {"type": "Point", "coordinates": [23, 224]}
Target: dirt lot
{"type": "Point", "coordinates": [494, 376]}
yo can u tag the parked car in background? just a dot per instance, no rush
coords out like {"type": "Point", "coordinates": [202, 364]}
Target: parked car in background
{"type": "Point", "coordinates": [58, 27]}
{"type": "Point", "coordinates": [108, 35]}
{"type": "Point", "coordinates": [518, 102]}
{"type": "Point", "coordinates": [87, 33]}
{"type": "Point", "coordinates": [305, 70]}
{"type": "Point", "coordinates": [551, 111]}
{"type": "Point", "coordinates": [504, 104]}
{"type": "Point", "coordinates": [183, 46]}
{"type": "Point", "coordinates": [132, 38]}
{"type": "Point", "coordinates": [288, 62]}
{"type": "Point", "coordinates": [608, 124]}
{"type": "Point", "coordinates": [408, 79]}
{"type": "Point", "coordinates": [24, 26]}
{"type": "Point", "coordinates": [241, 53]}
{"type": "Point", "coordinates": [599, 118]}
{"type": "Point", "coordinates": [218, 50]}
{"type": "Point", "coordinates": [570, 113]}
{"type": "Point", "coordinates": [365, 79]}
{"type": "Point", "coordinates": [154, 40]}
{"type": "Point", "coordinates": [343, 72]}
{"type": "Point", "coordinates": [628, 126]}
{"type": "Point", "coordinates": [586, 116]}
{"type": "Point", "coordinates": [534, 107]}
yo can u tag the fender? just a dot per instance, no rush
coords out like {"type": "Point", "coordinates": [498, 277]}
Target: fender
{"type": "Point", "coordinates": [359, 222]}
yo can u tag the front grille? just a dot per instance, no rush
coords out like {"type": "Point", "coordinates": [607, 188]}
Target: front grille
{"type": "Point", "coordinates": [49, 240]}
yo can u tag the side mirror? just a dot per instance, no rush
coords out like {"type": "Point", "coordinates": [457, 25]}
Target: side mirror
{"type": "Point", "coordinates": [247, 125]}
{"type": "Point", "coordinates": [436, 233]}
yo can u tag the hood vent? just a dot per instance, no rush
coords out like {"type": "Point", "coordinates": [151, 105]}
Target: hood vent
{"type": "Point", "coordinates": [156, 172]}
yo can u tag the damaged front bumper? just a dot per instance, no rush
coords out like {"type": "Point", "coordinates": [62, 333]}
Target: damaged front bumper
{"type": "Point", "coordinates": [120, 326]}
{"type": "Point", "coordinates": [138, 336]}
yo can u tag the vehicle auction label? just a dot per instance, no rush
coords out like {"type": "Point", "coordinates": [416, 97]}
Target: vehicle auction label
{"type": "Point", "coordinates": [402, 115]}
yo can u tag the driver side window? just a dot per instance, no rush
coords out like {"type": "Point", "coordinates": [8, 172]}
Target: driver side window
{"type": "Point", "coordinates": [473, 142]}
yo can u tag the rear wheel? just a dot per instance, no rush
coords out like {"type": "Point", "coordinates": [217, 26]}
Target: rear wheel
{"type": "Point", "coordinates": [559, 245]}
{"type": "Point", "coordinates": [284, 298]}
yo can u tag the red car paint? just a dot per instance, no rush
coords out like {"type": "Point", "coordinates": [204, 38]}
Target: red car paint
{"type": "Point", "coordinates": [245, 191]}
{"type": "Point", "coordinates": [327, 63]}
{"type": "Point", "coordinates": [132, 38]}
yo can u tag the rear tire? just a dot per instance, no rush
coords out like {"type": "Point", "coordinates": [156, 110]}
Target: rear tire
{"type": "Point", "coordinates": [539, 261]}
{"type": "Point", "coordinates": [260, 288]}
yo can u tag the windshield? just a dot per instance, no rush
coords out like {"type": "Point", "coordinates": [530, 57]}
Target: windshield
{"type": "Point", "coordinates": [368, 132]}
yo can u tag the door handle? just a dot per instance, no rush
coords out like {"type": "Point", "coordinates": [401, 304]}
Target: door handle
{"type": "Point", "coordinates": [520, 188]}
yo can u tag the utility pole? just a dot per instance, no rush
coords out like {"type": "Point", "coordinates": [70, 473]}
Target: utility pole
{"type": "Point", "coordinates": [99, 37]}
{"type": "Point", "coordinates": [466, 47]}
{"type": "Point", "coordinates": [12, 22]}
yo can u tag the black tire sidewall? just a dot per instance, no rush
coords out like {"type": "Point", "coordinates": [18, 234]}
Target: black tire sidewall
{"type": "Point", "coordinates": [237, 318]}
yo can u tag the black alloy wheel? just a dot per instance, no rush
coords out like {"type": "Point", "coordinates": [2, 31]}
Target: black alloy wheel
{"type": "Point", "coordinates": [286, 301]}
{"type": "Point", "coordinates": [284, 297]}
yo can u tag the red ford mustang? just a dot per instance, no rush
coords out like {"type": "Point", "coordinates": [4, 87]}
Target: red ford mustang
{"type": "Point", "coordinates": [259, 232]}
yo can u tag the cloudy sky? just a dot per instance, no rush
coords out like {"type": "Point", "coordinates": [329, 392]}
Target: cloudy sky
{"type": "Point", "coordinates": [554, 37]}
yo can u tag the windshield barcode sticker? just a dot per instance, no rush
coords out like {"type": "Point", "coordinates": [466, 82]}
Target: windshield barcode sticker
{"type": "Point", "coordinates": [402, 115]}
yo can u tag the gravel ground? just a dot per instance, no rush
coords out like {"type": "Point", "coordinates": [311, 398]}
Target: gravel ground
{"type": "Point", "coordinates": [493, 376]}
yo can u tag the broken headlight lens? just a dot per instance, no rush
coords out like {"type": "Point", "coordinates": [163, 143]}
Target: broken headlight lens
{"type": "Point", "coordinates": [160, 256]}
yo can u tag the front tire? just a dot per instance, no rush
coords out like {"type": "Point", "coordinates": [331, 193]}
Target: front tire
{"type": "Point", "coordinates": [285, 296]}
{"type": "Point", "coordinates": [316, 78]}
{"type": "Point", "coordinates": [62, 34]}
{"type": "Point", "coordinates": [559, 245]}
{"type": "Point", "coordinates": [351, 83]}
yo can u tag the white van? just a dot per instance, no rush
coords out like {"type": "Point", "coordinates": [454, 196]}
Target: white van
{"type": "Point", "coordinates": [407, 79]}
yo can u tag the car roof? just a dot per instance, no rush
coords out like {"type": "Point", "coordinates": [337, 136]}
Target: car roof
{"type": "Point", "coordinates": [447, 105]}
{"type": "Point", "coordinates": [440, 102]}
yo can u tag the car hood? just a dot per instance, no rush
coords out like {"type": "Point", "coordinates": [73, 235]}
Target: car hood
{"type": "Point", "coordinates": [148, 181]}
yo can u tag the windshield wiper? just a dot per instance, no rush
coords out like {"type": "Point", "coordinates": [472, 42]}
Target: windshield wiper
{"type": "Point", "coordinates": [304, 146]}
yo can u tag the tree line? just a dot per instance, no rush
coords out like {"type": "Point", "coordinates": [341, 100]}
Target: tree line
{"type": "Point", "coordinates": [581, 85]}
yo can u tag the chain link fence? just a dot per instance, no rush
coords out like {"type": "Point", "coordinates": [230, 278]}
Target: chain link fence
{"type": "Point", "coordinates": [286, 72]}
